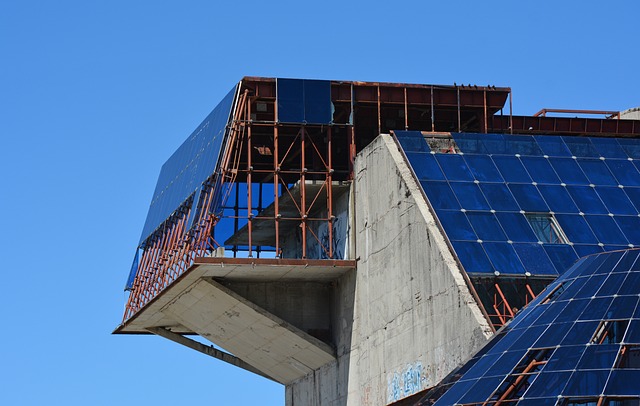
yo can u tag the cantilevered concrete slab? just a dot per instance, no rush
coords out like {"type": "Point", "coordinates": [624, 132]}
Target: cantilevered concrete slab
{"type": "Point", "coordinates": [198, 303]}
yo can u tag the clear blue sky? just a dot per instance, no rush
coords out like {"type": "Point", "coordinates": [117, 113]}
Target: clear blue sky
{"type": "Point", "coordinates": [96, 95]}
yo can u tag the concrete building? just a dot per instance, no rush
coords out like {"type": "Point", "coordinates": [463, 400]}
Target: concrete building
{"type": "Point", "coordinates": [357, 242]}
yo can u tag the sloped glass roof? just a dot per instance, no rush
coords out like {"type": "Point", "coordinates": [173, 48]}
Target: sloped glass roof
{"type": "Point", "coordinates": [579, 341]}
{"type": "Point", "coordinates": [486, 191]}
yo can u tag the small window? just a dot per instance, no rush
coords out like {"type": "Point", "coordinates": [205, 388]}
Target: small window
{"type": "Point", "coordinates": [546, 228]}
{"type": "Point", "coordinates": [610, 332]}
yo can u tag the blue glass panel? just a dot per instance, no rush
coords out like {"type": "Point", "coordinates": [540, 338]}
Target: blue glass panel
{"type": "Point", "coordinates": [599, 356]}
{"type": "Point", "coordinates": [472, 257]}
{"type": "Point", "coordinates": [495, 144]}
{"type": "Point", "coordinates": [133, 271]}
{"type": "Point", "coordinates": [616, 200]}
{"type": "Point", "coordinates": [535, 259]}
{"type": "Point", "coordinates": [608, 147]}
{"type": "Point", "coordinates": [610, 261]}
{"type": "Point", "coordinates": [628, 262]}
{"type": "Point", "coordinates": [558, 199]}
{"type": "Point", "coordinates": [586, 383]}
{"type": "Point", "coordinates": [561, 255]}
{"type": "Point", "coordinates": [470, 143]}
{"type": "Point", "coordinates": [290, 95]}
{"type": "Point", "coordinates": [486, 226]}
{"type": "Point", "coordinates": [597, 172]}
{"type": "Point", "coordinates": [412, 141]}
{"type": "Point", "coordinates": [553, 146]}
{"type": "Point", "coordinates": [456, 225]}
{"type": "Point", "coordinates": [576, 228]}
{"type": "Point", "coordinates": [606, 230]}
{"type": "Point", "coordinates": [499, 197]}
{"type": "Point", "coordinates": [633, 332]}
{"type": "Point", "coordinates": [511, 169]}
{"type": "Point", "coordinates": [522, 144]}
{"type": "Point", "coordinates": [527, 339]}
{"type": "Point", "coordinates": [504, 258]}
{"type": "Point", "coordinates": [580, 333]}
{"type": "Point", "coordinates": [623, 382]}
{"type": "Point", "coordinates": [528, 197]}
{"type": "Point", "coordinates": [568, 171]}
{"type": "Point", "coordinates": [611, 284]}
{"type": "Point", "coordinates": [516, 226]}
{"type": "Point", "coordinates": [440, 195]}
{"type": "Point", "coordinates": [189, 166]}
{"type": "Point", "coordinates": [587, 199]}
{"type": "Point", "coordinates": [622, 307]}
{"type": "Point", "coordinates": [564, 358]}
{"type": "Point", "coordinates": [596, 309]}
{"type": "Point", "coordinates": [540, 170]}
{"type": "Point", "coordinates": [634, 195]}
{"type": "Point", "coordinates": [304, 101]}
{"type": "Point", "coordinates": [546, 384]}
{"type": "Point", "coordinates": [481, 390]}
{"type": "Point", "coordinates": [455, 392]}
{"type": "Point", "coordinates": [584, 250]}
{"type": "Point", "coordinates": [630, 286]}
{"type": "Point", "coordinates": [624, 171]}
{"type": "Point", "coordinates": [591, 286]}
{"type": "Point", "coordinates": [425, 166]}
{"type": "Point", "coordinates": [483, 168]}
{"type": "Point", "coordinates": [317, 102]}
{"type": "Point", "coordinates": [631, 147]}
{"type": "Point", "coordinates": [454, 167]}
{"type": "Point", "coordinates": [469, 196]}
{"type": "Point", "coordinates": [580, 147]}
{"type": "Point", "coordinates": [572, 311]}
{"type": "Point", "coordinates": [554, 334]}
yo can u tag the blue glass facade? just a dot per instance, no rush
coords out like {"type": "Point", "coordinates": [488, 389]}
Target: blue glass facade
{"type": "Point", "coordinates": [577, 342]}
{"type": "Point", "coordinates": [485, 194]}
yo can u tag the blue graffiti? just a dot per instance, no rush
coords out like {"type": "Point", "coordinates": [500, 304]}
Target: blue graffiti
{"type": "Point", "coordinates": [407, 382]}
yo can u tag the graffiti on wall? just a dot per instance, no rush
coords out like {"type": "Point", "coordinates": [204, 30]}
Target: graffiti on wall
{"type": "Point", "coordinates": [406, 382]}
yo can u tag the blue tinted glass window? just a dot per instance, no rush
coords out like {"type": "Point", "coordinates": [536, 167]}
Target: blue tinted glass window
{"type": "Point", "coordinates": [522, 144]}
{"type": "Point", "coordinates": [561, 255]}
{"type": "Point", "coordinates": [631, 147]}
{"type": "Point", "coordinates": [580, 147]}
{"type": "Point", "coordinates": [472, 257]}
{"type": "Point", "coordinates": [540, 170]}
{"type": "Point", "coordinates": [481, 390]}
{"type": "Point", "coordinates": [568, 171]}
{"type": "Point", "coordinates": [591, 286]}
{"type": "Point", "coordinates": [425, 166]}
{"type": "Point", "coordinates": [440, 195]}
{"type": "Point", "coordinates": [470, 143]}
{"type": "Point", "coordinates": [553, 146]}
{"type": "Point", "coordinates": [564, 358]}
{"type": "Point", "coordinates": [596, 309]}
{"type": "Point", "coordinates": [599, 357]}
{"type": "Point", "coordinates": [584, 250]}
{"type": "Point", "coordinates": [469, 196]}
{"type": "Point", "coordinates": [486, 226]}
{"type": "Point", "coordinates": [606, 230]}
{"type": "Point", "coordinates": [557, 199]}
{"type": "Point", "coordinates": [511, 169]}
{"type": "Point", "coordinates": [516, 226]}
{"type": "Point", "coordinates": [528, 197]}
{"type": "Point", "coordinates": [633, 332]}
{"type": "Point", "coordinates": [504, 258]}
{"type": "Point", "coordinates": [624, 171]}
{"type": "Point", "coordinates": [586, 383]}
{"type": "Point", "coordinates": [546, 384]}
{"type": "Point", "coordinates": [581, 332]}
{"type": "Point", "coordinates": [608, 147]}
{"type": "Point", "coordinates": [483, 168]}
{"type": "Point", "coordinates": [495, 144]}
{"type": "Point", "coordinates": [456, 225]}
{"type": "Point", "coordinates": [631, 284]}
{"type": "Point", "coordinates": [634, 195]}
{"type": "Point", "coordinates": [622, 307]}
{"type": "Point", "coordinates": [456, 392]}
{"type": "Point", "coordinates": [454, 167]}
{"type": "Point", "coordinates": [587, 199]}
{"type": "Point", "coordinates": [597, 172]}
{"type": "Point", "coordinates": [499, 197]}
{"type": "Point", "coordinates": [611, 284]}
{"type": "Point", "coordinates": [623, 382]}
{"type": "Point", "coordinates": [616, 200]}
{"type": "Point", "coordinates": [535, 259]}
{"type": "Point", "coordinates": [630, 226]}
{"type": "Point", "coordinates": [412, 141]}
{"type": "Point", "coordinates": [576, 229]}
{"type": "Point", "coordinates": [290, 94]}
{"type": "Point", "coordinates": [527, 339]}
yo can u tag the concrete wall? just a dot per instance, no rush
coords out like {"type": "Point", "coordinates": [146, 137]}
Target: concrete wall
{"type": "Point", "coordinates": [405, 318]}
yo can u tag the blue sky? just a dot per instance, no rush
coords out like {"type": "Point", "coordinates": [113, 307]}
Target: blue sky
{"type": "Point", "coordinates": [95, 96]}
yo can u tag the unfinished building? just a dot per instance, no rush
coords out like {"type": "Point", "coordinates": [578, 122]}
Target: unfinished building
{"type": "Point", "coordinates": [357, 241]}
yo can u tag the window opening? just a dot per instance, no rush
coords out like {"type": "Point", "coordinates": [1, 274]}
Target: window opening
{"type": "Point", "coordinates": [610, 332]}
{"type": "Point", "coordinates": [521, 377]}
{"type": "Point", "coordinates": [629, 357]}
{"type": "Point", "coordinates": [546, 228]}
{"type": "Point", "coordinates": [443, 145]}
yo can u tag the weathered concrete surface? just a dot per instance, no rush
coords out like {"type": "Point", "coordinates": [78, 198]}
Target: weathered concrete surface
{"type": "Point", "coordinates": [405, 318]}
